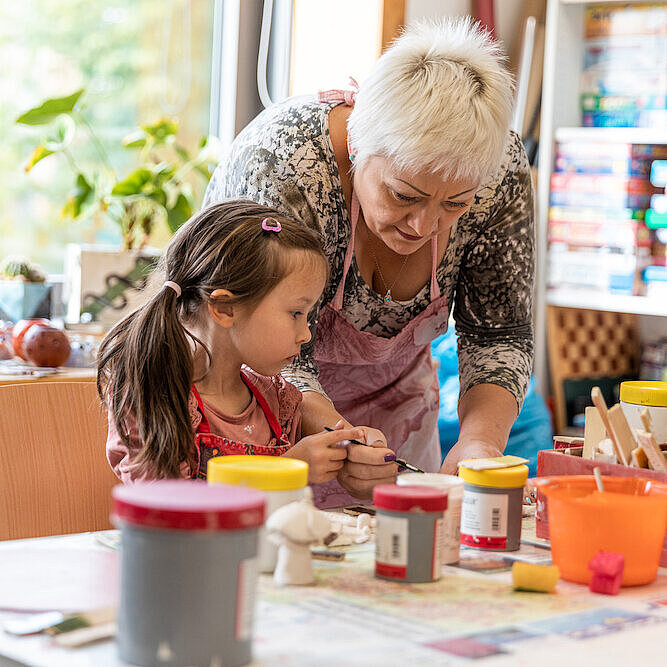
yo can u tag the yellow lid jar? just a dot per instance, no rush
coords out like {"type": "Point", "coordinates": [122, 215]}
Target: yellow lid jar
{"type": "Point", "coordinates": [282, 480]}
{"type": "Point", "coordinates": [637, 395]}
{"type": "Point", "coordinates": [491, 510]}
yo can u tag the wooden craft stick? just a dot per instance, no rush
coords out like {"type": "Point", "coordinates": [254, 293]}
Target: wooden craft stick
{"type": "Point", "coordinates": [599, 402]}
{"type": "Point", "coordinates": [656, 459]}
{"type": "Point", "coordinates": [622, 431]}
{"type": "Point", "coordinates": [593, 431]}
{"type": "Point", "coordinates": [645, 416]}
{"type": "Point", "coordinates": [84, 636]}
{"type": "Point", "coordinates": [638, 458]}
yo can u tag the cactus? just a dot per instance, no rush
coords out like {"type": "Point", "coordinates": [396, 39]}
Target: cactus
{"type": "Point", "coordinates": [19, 268]}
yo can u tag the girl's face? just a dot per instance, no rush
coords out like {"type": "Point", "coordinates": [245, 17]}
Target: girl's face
{"type": "Point", "coordinates": [407, 210]}
{"type": "Point", "coordinates": [270, 336]}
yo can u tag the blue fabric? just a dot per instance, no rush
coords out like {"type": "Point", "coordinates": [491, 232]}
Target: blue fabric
{"type": "Point", "coordinates": [532, 428]}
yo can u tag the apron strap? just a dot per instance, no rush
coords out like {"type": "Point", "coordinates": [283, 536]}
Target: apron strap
{"type": "Point", "coordinates": [345, 97]}
{"type": "Point", "coordinates": [435, 288]}
{"type": "Point", "coordinates": [338, 299]}
{"type": "Point", "coordinates": [270, 417]}
{"type": "Point", "coordinates": [204, 426]}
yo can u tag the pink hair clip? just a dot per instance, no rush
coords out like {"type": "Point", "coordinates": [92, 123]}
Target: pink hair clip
{"type": "Point", "coordinates": [271, 225]}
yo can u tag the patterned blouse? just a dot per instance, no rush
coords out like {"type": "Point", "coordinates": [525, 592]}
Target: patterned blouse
{"type": "Point", "coordinates": [284, 159]}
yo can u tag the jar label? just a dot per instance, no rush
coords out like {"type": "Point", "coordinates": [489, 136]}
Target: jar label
{"type": "Point", "coordinates": [245, 598]}
{"type": "Point", "coordinates": [484, 520]}
{"type": "Point", "coordinates": [439, 546]}
{"type": "Point", "coordinates": [391, 547]}
{"type": "Point", "coordinates": [451, 534]}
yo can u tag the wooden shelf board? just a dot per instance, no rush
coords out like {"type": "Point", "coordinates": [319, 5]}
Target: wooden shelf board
{"type": "Point", "coordinates": [631, 135]}
{"type": "Point", "coordinates": [616, 303]}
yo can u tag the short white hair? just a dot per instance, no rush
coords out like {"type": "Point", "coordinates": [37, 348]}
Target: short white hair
{"type": "Point", "coordinates": [440, 98]}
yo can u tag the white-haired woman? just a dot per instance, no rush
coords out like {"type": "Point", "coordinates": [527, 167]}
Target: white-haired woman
{"type": "Point", "coordinates": [424, 200]}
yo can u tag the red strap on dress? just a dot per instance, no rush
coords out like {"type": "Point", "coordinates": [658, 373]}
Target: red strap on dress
{"type": "Point", "coordinates": [274, 424]}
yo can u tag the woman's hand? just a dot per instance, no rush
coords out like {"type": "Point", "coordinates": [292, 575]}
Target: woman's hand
{"type": "Point", "coordinates": [324, 452]}
{"type": "Point", "coordinates": [472, 449]}
{"type": "Point", "coordinates": [366, 467]}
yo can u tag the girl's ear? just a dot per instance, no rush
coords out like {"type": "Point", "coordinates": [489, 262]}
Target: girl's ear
{"type": "Point", "coordinates": [221, 308]}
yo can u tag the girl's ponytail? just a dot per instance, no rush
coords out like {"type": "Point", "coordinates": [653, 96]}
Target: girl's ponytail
{"type": "Point", "coordinates": [145, 369]}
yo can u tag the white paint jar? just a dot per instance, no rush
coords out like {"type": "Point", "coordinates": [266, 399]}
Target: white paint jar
{"type": "Point", "coordinates": [637, 395]}
{"type": "Point", "coordinates": [451, 528]}
{"type": "Point", "coordinates": [281, 478]}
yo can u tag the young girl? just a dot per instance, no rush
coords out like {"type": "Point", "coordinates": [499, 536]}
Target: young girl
{"type": "Point", "coordinates": [176, 374]}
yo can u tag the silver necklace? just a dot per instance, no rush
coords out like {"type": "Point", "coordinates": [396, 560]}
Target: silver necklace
{"type": "Point", "coordinates": [387, 297]}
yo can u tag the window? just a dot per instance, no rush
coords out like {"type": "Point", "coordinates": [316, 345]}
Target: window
{"type": "Point", "coordinates": [350, 44]}
{"type": "Point", "coordinates": [137, 61]}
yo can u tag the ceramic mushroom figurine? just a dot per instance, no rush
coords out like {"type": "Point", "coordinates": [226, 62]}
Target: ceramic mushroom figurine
{"type": "Point", "coordinates": [294, 528]}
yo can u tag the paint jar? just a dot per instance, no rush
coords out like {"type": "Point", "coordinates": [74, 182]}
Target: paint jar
{"type": "Point", "coordinates": [637, 395]}
{"type": "Point", "coordinates": [407, 533]}
{"type": "Point", "coordinates": [491, 511]}
{"type": "Point", "coordinates": [451, 527]}
{"type": "Point", "coordinates": [280, 478]}
{"type": "Point", "coordinates": [188, 572]}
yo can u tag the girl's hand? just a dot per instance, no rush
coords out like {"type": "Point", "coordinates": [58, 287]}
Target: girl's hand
{"type": "Point", "coordinates": [324, 452]}
{"type": "Point", "coordinates": [473, 449]}
{"type": "Point", "coordinates": [366, 467]}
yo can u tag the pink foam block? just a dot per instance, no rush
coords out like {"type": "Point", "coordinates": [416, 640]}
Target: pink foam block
{"type": "Point", "coordinates": [607, 571]}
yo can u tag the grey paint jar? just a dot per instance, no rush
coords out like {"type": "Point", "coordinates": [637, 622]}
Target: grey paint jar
{"type": "Point", "coordinates": [408, 532]}
{"type": "Point", "coordinates": [188, 572]}
{"type": "Point", "coordinates": [491, 510]}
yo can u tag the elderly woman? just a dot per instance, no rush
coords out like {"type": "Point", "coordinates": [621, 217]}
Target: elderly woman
{"type": "Point", "coordinates": [424, 200]}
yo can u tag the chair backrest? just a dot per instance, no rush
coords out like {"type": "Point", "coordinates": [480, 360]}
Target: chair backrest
{"type": "Point", "coordinates": [54, 475]}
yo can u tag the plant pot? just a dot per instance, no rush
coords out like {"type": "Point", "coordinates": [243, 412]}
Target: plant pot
{"type": "Point", "coordinates": [20, 300]}
{"type": "Point", "coordinates": [104, 283]}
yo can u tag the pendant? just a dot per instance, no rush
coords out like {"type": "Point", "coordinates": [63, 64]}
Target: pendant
{"type": "Point", "coordinates": [387, 296]}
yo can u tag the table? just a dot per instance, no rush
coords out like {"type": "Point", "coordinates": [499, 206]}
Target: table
{"type": "Point", "coordinates": [351, 618]}
{"type": "Point", "coordinates": [63, 374]}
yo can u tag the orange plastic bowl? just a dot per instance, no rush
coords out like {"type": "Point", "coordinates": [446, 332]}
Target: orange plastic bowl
{"type": "Point", "coordinates": [629, 517]}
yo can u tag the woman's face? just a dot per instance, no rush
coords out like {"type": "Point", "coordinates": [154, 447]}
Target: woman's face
{"type": "Point", "coordinates": [407, 210]}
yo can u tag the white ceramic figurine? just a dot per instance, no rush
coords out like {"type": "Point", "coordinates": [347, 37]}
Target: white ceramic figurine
{"type": "Point", "coordinates": [294, 528]}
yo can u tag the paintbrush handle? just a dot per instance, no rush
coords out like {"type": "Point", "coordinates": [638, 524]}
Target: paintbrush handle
{"type": "Point", "coordinates": [399, 462]}
{"type": "Point", "coordinates": [407, 466]}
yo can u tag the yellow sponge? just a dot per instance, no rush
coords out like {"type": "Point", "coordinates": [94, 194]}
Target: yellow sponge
{"type": "Point", "coordinates": [536, 578]}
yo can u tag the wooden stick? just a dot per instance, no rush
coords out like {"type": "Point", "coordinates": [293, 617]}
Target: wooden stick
{"type": "Point", "coordinates": [639, 458]}
{"type": "Point", "coordinates": [645, 416]}
{"type": "Point", "coordinates": [593, 432]}
{"type": "Point", "coordinates": [598, 401]}
{"type": "Point", "coordinates": [622, 431]}
{"type": "Point", "coordinates": [656, 459]}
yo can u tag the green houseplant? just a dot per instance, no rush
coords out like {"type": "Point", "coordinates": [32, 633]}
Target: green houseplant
{"type": "Point", "coordinates": [156, 191]}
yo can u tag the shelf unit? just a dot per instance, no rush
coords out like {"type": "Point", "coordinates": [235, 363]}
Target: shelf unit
{"type": "Point", "coordinates": [560, 120]}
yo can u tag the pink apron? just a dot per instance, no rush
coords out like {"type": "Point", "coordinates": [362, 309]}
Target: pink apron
{"type": "Point", "coordinates": [208, 445]}
{"type": "Point", "coordinates": [386, 383]}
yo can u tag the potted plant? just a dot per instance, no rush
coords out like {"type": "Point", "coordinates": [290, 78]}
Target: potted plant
{"type": "Point", "coordinates": [156, 192]}
{"type": "Point", "coordinates": [24, 292]}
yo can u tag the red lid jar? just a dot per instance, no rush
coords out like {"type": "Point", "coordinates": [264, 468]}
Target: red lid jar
{"type": "Point", "coordinates": [409, 498]}
{"type": "Point", "coordinates": [188, 505]}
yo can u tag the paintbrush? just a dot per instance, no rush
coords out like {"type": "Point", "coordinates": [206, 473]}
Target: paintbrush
{"type": "Point", "coordinates": [399, 462]}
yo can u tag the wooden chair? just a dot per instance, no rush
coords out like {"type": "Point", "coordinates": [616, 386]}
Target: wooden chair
{"type": "Point", "coordinates": [54, 475]}
{"type": "Point", "coordinates": [588, 344]}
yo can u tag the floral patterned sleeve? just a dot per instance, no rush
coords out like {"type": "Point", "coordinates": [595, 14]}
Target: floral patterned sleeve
{"type": "Point", "coordinates": [494, 291]}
